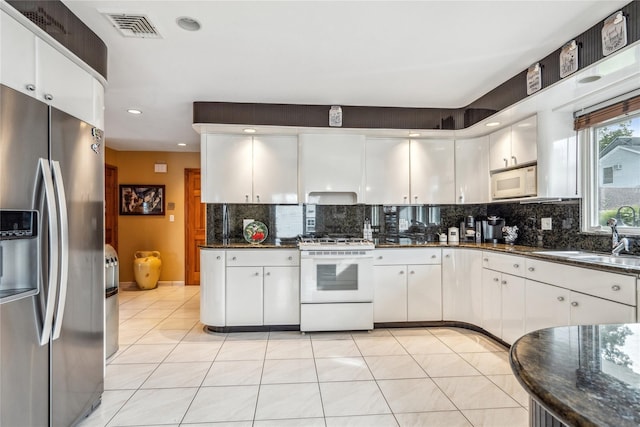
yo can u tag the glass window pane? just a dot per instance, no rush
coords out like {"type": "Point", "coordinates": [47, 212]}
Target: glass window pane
{"type": "Point", "coordinates": [618, 148]}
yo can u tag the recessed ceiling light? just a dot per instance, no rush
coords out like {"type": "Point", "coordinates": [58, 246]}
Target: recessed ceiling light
{"type": "Point", "coordinates": [589, 79]}
{"type": "Point", "coordinates": [188, 24]}
{"type": "Point", "coordinates": [413, 134]}
{"type": "Point", "coordinates": [492, 124]}
{"type": "Point", "coordinates": [134, 111]}
{"type": "Point", "coordinates": [249, 130]}
{"type": "Point", "coordinates": [181, 144]}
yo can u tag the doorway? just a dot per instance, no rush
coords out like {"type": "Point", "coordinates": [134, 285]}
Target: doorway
{"type": "Point", "coordinates": [195, 225]}
{"type": "Point", "coordinates": [111, 206]}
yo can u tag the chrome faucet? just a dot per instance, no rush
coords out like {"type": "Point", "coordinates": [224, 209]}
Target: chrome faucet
{"type": "Point", "coordinates": [617, 244]}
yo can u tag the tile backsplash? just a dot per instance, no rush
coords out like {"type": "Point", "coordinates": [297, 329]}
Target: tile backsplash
{"type": "Point", "coordinates": [285, 222]}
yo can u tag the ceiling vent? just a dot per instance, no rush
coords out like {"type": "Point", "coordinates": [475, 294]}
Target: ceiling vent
{"type": "Point", "coordinates": [132, 25]}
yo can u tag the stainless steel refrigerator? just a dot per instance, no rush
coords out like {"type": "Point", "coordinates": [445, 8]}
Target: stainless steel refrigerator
{"type": "Point", "coordinates": [51, 264]}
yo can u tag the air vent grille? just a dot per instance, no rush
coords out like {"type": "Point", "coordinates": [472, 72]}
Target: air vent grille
{"type": "Point", "coordinates": [131, 25]}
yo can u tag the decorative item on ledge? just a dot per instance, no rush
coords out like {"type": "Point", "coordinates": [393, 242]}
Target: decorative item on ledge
{"type": "Point", "coordinates": [614, 33]}
{"type": "Point", "coordinates": [141, 199]}
{"type": "Point", "coordinates": [255, 232]}
{"type": "Point", "coordinates": [568, 59]}
{"type": "Point", "coordinates": [534, 78]}
{"type": "Point", "coordinates": [335, 116]}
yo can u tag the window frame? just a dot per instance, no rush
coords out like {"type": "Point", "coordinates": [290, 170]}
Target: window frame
{"type": "Point", "coordinates": [591, 178]}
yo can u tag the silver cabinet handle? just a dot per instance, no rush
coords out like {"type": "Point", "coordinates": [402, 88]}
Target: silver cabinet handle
{"type": "Point", "coordinates": [495, 279]}
{"type": "Point", "coordinates": [504, 282]}
{"type": "Point", "coordinates": [506, 162]}
{"type": "Point", "coordinates": [290, 258]}
{"type": "Point", "coordinates": [516, 265]}
{"type": "Point", "coordinates": [405, 199]}
{"type": "Point", "coordinates": [380, 257]}
{"type": "Point", "coordinates": [401, 271]}
{"type": "Point", "coordinates": [447, 256]}
{"type": "Point", "coordinates": [256, 274]}
{"type": "Point", "coordinates": [268, 273]}
{"type": "Point", "coordinates": [412, 272]}
{"type": "Point", "coordinates": [48, 97]}
{"type": "Point", "coordinates": [485, 259]}
{"type": "Point", "coordinates": [246, 198]}
{"type": "Point", "coordinates": [574, 304]}
{"type": "Point", "coordinates": [532, 269]}
{"type": "Point", "coordinates": [258, 198]}
{"type": "Point", "coordinates": [560, 299]}
{"type": "Point", "coordinates": [30, 87]}
{"type": "Point", "coordinates": [615, 288]}
{"type": "Point", "coordinates": [434, 256]}
{"type": "Point", "coordinates": [415, 198]}
{"type": "Point", "coordinates": [233, 259]}
{"type": "Point", "coordinates": [515, 161]}
{"type": "Point", "coordinates": [218, 257]}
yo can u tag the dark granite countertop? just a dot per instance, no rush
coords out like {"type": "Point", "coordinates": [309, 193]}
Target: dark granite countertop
{"type": "Point", "coordinates": [530, 251]}
{"type": "Point", "coordinates": [583, 375]}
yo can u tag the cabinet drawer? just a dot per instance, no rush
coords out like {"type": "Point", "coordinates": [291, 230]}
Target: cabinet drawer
{"type": "Point", "coordinates": [263, 257]}
{"type": "Point", "coordinates": [407, 256]}
{"type": "Point", "coordinates": [509, 264]}
{"type": "Point", "coordinates": [612, 286]}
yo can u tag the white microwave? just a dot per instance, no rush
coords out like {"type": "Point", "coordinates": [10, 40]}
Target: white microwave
{"type": "Point", "coordinates": [520, 182]}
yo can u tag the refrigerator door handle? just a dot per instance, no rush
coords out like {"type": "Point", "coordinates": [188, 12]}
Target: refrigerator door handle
{"type": "Point", "coordinates": [43, 175]}
{"type": "Point", "coordinates": [64, 247]}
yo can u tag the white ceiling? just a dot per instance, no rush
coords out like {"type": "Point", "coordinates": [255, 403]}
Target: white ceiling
{"type": "Point", "coordinates": [374, 53]}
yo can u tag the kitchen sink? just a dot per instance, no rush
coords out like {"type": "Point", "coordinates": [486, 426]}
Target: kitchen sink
{"type": "Point", "coordinates": [565, 254]}
{"type": "Point", "coordinates": [627, 261]}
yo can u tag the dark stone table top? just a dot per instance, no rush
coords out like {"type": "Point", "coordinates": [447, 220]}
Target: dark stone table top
{"type": "Point", "coordinates": [583, 375]}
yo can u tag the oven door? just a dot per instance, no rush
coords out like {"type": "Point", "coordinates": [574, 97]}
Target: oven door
{"type": "Point", "coordinates": [335, 278]}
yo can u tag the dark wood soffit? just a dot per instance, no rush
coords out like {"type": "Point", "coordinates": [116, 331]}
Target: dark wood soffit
{"type": "Point", "coordinates": [60, 23]}
{"type": "Point", "coordinates": [503, 96]}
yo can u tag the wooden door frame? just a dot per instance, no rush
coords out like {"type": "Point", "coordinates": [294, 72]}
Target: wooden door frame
{"type": "Point", "coordinates": [115, 200]}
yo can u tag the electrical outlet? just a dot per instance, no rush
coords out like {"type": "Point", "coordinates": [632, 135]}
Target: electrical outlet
{"type": "Point", "coordinates": [545, 223]}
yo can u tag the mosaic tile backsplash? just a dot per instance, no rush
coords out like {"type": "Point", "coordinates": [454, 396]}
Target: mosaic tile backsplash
{"type": "Point", "coordinates": [286, 222]}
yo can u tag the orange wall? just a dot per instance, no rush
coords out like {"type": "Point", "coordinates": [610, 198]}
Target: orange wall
{"type": "Point", "coordinates": [153, 232]}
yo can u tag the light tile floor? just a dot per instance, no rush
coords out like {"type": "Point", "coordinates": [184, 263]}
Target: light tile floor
{"type": "Point", "coordinates": [169, 372]}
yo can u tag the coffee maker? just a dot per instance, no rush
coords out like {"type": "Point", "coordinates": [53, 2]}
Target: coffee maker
{"type": "Point", "coordinates": [492, 229]}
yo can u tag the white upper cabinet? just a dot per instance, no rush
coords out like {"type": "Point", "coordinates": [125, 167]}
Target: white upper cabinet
{"type": "Point", "coordinates": [275, 169]}
{"type": "Point", "coordinates": [245, 169]}
{"type": "Point", "coordinates": [32, 66]}
{"type": "Point", "coordinates": [514, 145]}
{"type": "Point", "coordinates": [18, 48]}
{"type": "Point", "coordinates": [332, 168]}
{"type": "Point", "coordinates": [472, 170]}
{"type": "Point", "coordinates": [387, 171]}
{"type": "Point", "coordinates": [432, 172]}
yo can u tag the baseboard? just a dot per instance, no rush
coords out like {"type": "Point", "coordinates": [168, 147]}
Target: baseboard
{"type": "Point", "coordinates": [133, 286]}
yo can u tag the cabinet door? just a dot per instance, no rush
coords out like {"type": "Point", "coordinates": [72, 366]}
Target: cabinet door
{"type": "Point", "coordinates": [226, 168]}
{"type": "Point", "coordinates": [331, 164]}
{"type": "Point", "coordinates": [588, 310]}
{"type": "Point", "coordinates": [212, 287]}
{"type": "Point", "coordinates": [244, 296]}
{"type": "Point", "coordinates": [281, 295]}
{"type": "Point", "coordinates": [472, 170]}
{"type": "Point", "coordinates": [524, 141]}
{"type": "Point", "coordinates": [500, 149]}
{"type": "Point", "coordinates": [432, 172]}
{"type": "Point", "coordinates": [512, 307]}
{"type": "Point", "coordinates": [387, 171]}
{"type": "Point", "coordinates": [424, 292]}
{"type": "Point", "coordinates": [275, 169]}
{"type": "Point", "coordinates": [546, 306]}
{"type": "Point", "coordinates": [462, 285]}
{"type": "Point", "coordinates": [390, 293]}
{"type": "Point", "coordinates": [63, 84]}
{"type": "Point", "coordinates": [18, 47]}
{"type": "Point", "coordinates": [491, 302]}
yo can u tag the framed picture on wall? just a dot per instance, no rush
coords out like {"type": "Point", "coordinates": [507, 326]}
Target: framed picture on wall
{"type": "Point", "coordinates": [140, 199]}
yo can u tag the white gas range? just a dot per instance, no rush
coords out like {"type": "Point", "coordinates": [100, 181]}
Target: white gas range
{"type": "Point", "coordinates": [336, 284]}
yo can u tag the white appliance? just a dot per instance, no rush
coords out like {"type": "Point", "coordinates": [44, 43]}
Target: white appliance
{"type": "Point", "coordinates": [51, 269]}
{"type": "Point", "coordinates": [519, 182]}
{"type": "Point", "coordinates": [336, 284]}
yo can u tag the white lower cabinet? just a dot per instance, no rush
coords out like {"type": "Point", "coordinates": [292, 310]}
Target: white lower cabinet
{"type": "Point", "coordinates": [462, 285]}
{"type": "Point", "coordinates": [244, 296]}
{"type": "Point", "coordinates": [407, 292]}
{"type": "Point", "coordinates": [503, 305]}
{"type": "Point", "coordinates": [212, 287]}
{"type": "Point", "coordinates": [281, 296]}
{"type": "Point", "coordinates": [548, 306]}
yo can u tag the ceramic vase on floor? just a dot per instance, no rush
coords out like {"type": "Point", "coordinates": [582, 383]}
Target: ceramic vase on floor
{"type": "Point", "coordinates": [146, 269]}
